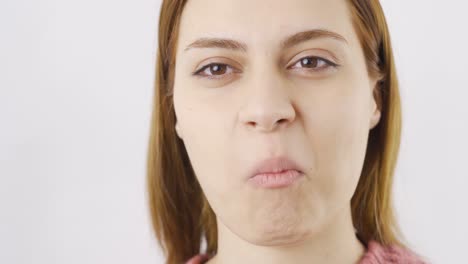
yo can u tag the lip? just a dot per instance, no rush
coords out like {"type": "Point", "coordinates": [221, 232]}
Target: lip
{"type": "Point", "coordinates": [277, 172]}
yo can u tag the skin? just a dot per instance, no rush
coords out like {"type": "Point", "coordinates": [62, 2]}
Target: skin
{"type": "Point", "coordinates": [266, 103]}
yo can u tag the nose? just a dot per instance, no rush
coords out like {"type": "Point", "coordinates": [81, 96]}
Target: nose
{"type": "Point", "coordinates": [268, 104]}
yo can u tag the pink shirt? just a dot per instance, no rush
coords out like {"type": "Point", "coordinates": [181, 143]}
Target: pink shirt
{"type": "Point", "coordinates": [375, 254]}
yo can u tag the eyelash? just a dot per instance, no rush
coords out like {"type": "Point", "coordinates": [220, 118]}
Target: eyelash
{"type": "Point", "coordinates": [328, 63]}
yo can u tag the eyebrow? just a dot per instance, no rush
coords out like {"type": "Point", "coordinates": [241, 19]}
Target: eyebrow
{"type": "Point", "coordinates": [288, 42]}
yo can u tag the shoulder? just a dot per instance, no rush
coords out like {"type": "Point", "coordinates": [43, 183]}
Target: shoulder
{"type": "Point", "coordinates": [377, 253]}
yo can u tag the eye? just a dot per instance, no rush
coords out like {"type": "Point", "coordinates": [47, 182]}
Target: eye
{"type": "Point", "coordinates": [213, 70]}
{"type": "Point", "coordinates": [221, 70]}
{"type": "Point", "coordinates": [315, 63]}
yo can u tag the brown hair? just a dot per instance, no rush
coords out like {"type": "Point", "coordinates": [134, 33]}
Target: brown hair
{"type": "Point", "coordinates": [181, 215]}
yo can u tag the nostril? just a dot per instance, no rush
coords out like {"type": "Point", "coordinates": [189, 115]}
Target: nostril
{"type": "Point", "coordinates": [281, 121]}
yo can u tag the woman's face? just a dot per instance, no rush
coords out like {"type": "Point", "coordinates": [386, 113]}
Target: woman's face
{"type": "Point", "coordinates": [308, 98]}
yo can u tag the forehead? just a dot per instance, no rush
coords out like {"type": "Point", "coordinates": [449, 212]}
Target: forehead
{"type": "Point", "coordinates": [261, 22]}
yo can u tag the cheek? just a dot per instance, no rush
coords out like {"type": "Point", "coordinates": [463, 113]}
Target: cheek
{"type": "Point", "coordinates": [204, 123]}
{"type": "Point", "coordinates": [336, 126]}
{"type": "Point", "coordinates": [206, 150]}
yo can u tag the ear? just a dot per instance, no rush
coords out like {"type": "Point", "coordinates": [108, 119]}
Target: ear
{"type": "Point", "coordinates": [376, 105]}
{"type": "Point", "coordinates": [177, 129]}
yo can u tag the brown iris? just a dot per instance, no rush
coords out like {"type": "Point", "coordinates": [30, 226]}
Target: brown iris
{"type": "Point", "coordinates": [216, 69]}
{"type": "Point", "coordinates": [309, 62]}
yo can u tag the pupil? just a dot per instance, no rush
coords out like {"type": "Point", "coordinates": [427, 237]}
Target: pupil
{"type": "Point", "coordinates": [216, 68]}
{"type": "Point", "coordinates": [308, 61]}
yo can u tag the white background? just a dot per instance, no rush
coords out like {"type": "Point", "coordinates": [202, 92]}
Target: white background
{"type": "Point", "coordinates": [76, 81]}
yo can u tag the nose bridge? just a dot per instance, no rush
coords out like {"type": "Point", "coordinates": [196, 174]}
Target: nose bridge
{"type": "Point", "coordinates": [268, 97]}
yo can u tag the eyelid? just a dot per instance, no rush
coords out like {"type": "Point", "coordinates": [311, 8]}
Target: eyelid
{"type": "Point", "coordinates": [197, 73]}
{"type": "Point", "coordinates": [213, 61]}
{"type": "Point", "coordinates": [327, 61]}
{"type": "Point", "coordinates": [317, 53]}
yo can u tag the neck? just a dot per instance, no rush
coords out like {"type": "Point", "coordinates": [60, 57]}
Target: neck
{"type": "Point", "coordinates": [335, 243]}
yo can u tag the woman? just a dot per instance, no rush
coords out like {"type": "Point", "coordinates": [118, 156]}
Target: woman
{"type": "Point", "coordinates": [275, 133]}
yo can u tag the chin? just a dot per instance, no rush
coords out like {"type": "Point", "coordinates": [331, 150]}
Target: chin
{"type": "Point", "coordinates": [279, 236]}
